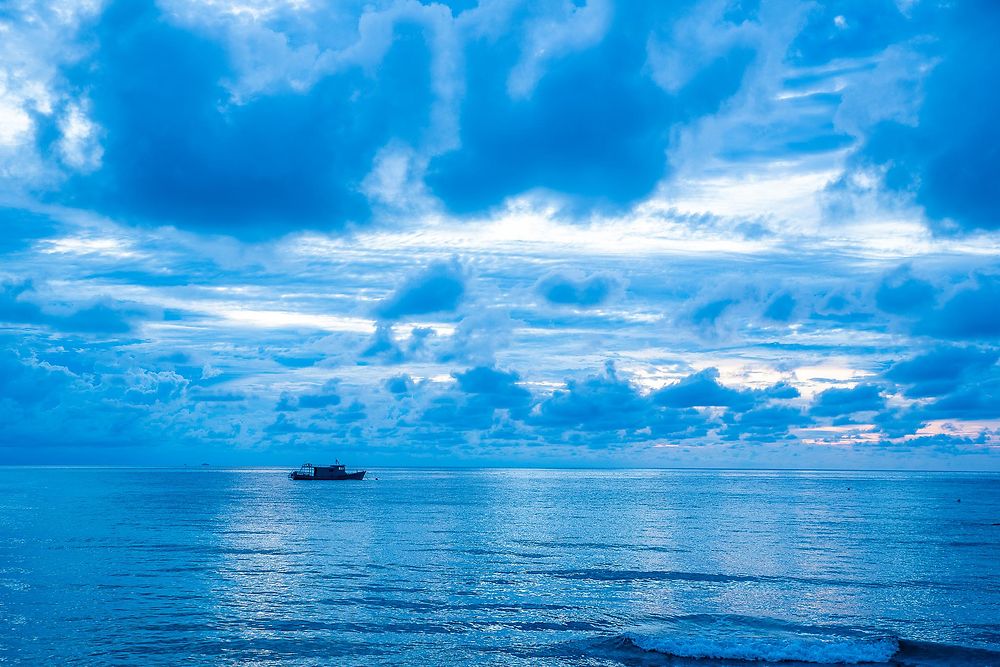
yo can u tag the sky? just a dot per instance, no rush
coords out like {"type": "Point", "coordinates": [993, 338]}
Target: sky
{"type": "Point", "coordinates": [709, 233]}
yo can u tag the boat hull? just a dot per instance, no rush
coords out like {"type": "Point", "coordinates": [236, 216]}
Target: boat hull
{"type": "Point", "coordinates": [359, 475]}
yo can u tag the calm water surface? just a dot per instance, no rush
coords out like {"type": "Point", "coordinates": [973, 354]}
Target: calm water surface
{"type": "Point", "coordinates": [498, 567]}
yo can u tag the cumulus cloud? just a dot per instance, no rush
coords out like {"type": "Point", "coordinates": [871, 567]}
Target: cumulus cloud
{"type": "Point", "coordinates": [942, 370]}
{"type": "Point", "coordinates": [605, 409]}
{"type": "Point", "coordinates": [837, 402]}
{"type": "Point", "coordinates": [55, 401]}
{"type": "Point", "coordinates": [438, 288]}
{"type": "Point", "coordinates": [575, 288]}
{"type": "Point", "coordinates": [499, 388]}
{"type": "Point", "coordinates": [702, 389]}
{"type": "Point", "coordinates": [595, 126]}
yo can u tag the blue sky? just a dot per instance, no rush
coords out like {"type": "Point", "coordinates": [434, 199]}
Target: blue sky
{"type": "Point", "coordinates": [706, 233]}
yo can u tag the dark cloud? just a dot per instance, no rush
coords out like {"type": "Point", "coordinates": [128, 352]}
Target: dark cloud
{"type": "Point", "coordinates": [44, 405]}
{"type": "Point", "coordinates": [325, 398]}
{"type": "Point", "coordinates": [711, 311]}
{"type": "Point", "coordinates": [897, 423]}
{"type": "Point", "coordinates": [764, 423]}
{"type": "Point", "coordinates": [383, 345]}
{"type": "Point", "coordinates": [595, 126]}
{"type": "Point", "coordinates": [979, 400]}
{"type": "Point", "coordinates": [972, 312]}
{"type": "Point", "coordinates": [837, 402]}
{"type": "Point", "coordinates": [399, 385]}
{"type": "Point", "coordinates": [578, 289]}
{"type": "Point", "coordinates": [942, 370]}
{"type": "Point", "coordinates": [781, 390]}
{"type": "Point", "coordinates": [781, 308]}
{"type": "Point", "coordinates": [439, 288]}
{"type": "Point", "coordinates": [946, 160]}
{"type": "Point", "coordinates": [179, 150]}
{"type": "Point", "coordinates": [702, 389]}
{"type": "Point", "coordinates": [901, 294]}
{"type": "Point", "coordinates": [499, 387]}
{"type": "Point", "coordinates": [608, 409]}
{"type": "Point", "coordinates": [102, 317]}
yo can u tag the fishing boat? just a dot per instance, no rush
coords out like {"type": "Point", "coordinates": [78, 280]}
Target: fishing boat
{"type": "Point", "coordinates": [337, 471]}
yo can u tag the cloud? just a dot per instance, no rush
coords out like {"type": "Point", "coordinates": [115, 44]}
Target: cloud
{"type": "Point", "coordinates": [702, 389]}
{"type": "Point", "coordinates": [764, 423]}
{"type": "Point", "coordinates": [557, 146]}
{"type": "Point", "coordinates": [897, 423]}
{"type": "Point", "coordinates": [946, 160]}
{"type": "Point", "coordinates": [575, 288]}
{"type": "Point", "coordinates": [102, 317]}
{"type": "Point", "coordinates": [942, 370]}
{"type": "Point", "coordinates": [964, 383]}
{"type": "Point", "coordinates": [707, 314]}
{"type": "Point", "coordinates": [400, 385]}
{"type": "Point", "coordinates": [837, 402]}
{"type": "Point", "coordinates": [971, 312]}
{"type": "Point", "coordinates": [95, 399]}
{"type": "Point", "coordinates": [780, 308]}
{"type": "Point", "coordinates": [325, 398]}
{"type": "Point", "coordinates": [498, 388]}
{"type": "Point", "coordinates": [383, 345]}
{"type": "Point", "coordinates": [901, 294]}
{"type": "Point", "coordinates": [606, 409]}
{"type": "Point", "coordinates": [178, 148]}
{"type": "Point", "coordinates": [597, 403]}
{"type": "Point", "coordinates": [593, 126]}
{"type": "Point", "coordinates": [438, 288]}
{"type": "Point", "coordinates": [978, 400]}
{"type": "Point", "coordinates": [478, 337]}
{"type": "Point", "coordinates": [259, 121]}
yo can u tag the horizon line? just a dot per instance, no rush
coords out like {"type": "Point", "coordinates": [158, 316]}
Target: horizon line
{"type": "Point", "coordinates": [493, 467]}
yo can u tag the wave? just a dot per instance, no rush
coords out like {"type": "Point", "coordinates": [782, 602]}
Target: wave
{"type": "Point", "coordinates": [707, 639]}
{"type": "Point", "coordinates": [817, 650]}
{"type": "Point", "coordinates": [616, 575]}
{"type": "Point", "coordinates": [762, 640]}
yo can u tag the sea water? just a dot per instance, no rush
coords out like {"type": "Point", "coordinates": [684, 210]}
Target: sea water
{"type": "Point", "coordinates": [498, 567]}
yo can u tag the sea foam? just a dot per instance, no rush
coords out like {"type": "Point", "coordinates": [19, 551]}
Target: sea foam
{"type": "Point", "coordinates": [724, 639]}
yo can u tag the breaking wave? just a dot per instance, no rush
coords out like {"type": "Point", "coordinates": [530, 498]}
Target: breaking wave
{"type": "Point", "coordinates": [761, 640]}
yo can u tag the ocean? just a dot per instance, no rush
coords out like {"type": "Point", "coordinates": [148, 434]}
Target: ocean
{"type": "Point", "coordinates": [131, 566]}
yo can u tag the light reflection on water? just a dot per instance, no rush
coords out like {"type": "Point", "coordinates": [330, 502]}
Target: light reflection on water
{"type": "Point", "coordinates": [483, 566]}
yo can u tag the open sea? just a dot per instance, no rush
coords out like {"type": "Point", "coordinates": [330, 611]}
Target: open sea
{"type": "Point", "coordinates": [498, 567]}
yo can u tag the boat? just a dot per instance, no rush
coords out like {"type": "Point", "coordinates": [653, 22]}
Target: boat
{"type": "Point", "coordinates": [337, 471]}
